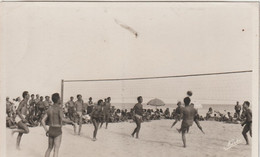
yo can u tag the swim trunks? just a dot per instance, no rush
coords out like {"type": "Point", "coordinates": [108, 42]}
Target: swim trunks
{"type": "Point", "coordinates": [97, 119]}
{"type": "Point", "coordinates": [21, 125]}
{"type": "Point", "coordinates": [54, 131]}
{"type": "Point", "coordinates": [137, 118]}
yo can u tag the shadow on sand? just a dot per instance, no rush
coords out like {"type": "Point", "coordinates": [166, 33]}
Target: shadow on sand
{"type": "Point", "coordinates": [150, 141]}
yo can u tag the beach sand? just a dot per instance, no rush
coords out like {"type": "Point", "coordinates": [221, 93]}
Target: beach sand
{"type": "Point", "coordinates": [157, 139]}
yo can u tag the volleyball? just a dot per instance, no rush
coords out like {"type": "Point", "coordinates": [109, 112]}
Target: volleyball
{"type": "Point", "coordinates": [189, 93]}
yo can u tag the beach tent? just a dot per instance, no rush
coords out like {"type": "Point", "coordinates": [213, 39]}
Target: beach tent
{"type": "Point", "coordinates": [156, 102]}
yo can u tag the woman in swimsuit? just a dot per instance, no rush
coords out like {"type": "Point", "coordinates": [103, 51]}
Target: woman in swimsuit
{"type": "Point", "coordinates": [55, 116]}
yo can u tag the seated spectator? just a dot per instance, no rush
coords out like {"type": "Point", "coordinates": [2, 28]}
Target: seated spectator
{"type": "Point", "coordinates": [167, 113]}
{"type": "Point", "coordinates": [209, 113]}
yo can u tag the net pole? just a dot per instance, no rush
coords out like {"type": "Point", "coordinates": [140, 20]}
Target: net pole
{"type": "Point", "coordinates": [62, 90]}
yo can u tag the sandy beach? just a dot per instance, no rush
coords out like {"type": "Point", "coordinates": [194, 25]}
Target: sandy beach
{"type": "Point", "coordinates": [156, 139]}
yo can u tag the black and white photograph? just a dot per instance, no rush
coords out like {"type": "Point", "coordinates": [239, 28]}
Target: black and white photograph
{"type": "Point", "coordinates": [132, 79]}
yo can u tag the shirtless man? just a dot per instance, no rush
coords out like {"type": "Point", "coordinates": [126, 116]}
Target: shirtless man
{"type": "Point", "coordinates": [138, 113]}
{"type": "Point", "coordinates": [90, 102]}
{"type": "Point", "coordinates": [106, 112]}
{"type": "Point", "coordinates": [247, 122]}
{"type": "Point", "coordinates": [20, 119]}
{"type": "Point", "coordinates": [96, 115]}
{"type": "Point", "coordinates": [238, 109]}
{"type": "Point", "coordinates": [32, 105]}
{"type": "Point", "coordinates": [90, 105]}
{"type": "Point", "coordinates": [178, 113]}
{"type": "Point", "coordinates": [36, 102]}
{"type": "Point", "coordinates": [47, 102]}
{"type": "Point", "coordinates": [189, 114]}
{"type": "Point", "coordinates": [9, 106]}
{"type": "Point", "coordinates": [41, 107]}
{"type": "Point", "coordinates": [79, 104]}
{"type": "Point", "coordinates": [71, 107]}
{"type": "Point", "coordinates": [55, 116]}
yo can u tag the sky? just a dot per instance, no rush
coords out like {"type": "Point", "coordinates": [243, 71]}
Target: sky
{"type": "Point", "coordinates": [47, 42]}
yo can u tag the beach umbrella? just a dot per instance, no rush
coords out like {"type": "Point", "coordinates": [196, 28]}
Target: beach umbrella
{"type": "Point", "coordinates": [156, 102]}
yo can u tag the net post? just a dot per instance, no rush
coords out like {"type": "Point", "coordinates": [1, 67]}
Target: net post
{"type": "Point", "coordinates": [62, 89]}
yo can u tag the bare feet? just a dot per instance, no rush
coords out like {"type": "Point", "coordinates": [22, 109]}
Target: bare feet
{"type": "Point", "coordinates": [18, 148]}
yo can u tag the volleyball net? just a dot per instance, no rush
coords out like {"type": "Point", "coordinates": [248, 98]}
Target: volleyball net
{"type": "Point", "coordinates": [224, 87]}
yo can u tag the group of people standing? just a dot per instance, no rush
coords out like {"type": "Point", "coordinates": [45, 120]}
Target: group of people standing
{"type": "Point", "coordinates": [35, 108]}
{"type": "Point", "coordinates": [99, 112]}
{"type": "Point", "coordinates": [54, 116]}
{"type": "Point", "coordinates": [27, 108]}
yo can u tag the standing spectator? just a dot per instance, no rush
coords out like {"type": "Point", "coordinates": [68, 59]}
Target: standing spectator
{"type": "Point", "coordinates": [9, 105]}
{"type": "Point", "coordinates": [238, 109]}
{"type": "Point", "coordinates": [36, 102]}
{"type": "Point", "coordinates": [32, 105]}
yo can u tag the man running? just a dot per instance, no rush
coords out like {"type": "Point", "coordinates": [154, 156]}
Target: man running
{"type": "Point", "coordinates": [138, 113]}
{"type": "Point", "coordinates": [79, 104]}
{"type": "Point", "coordinates": [96, 116]}
{"type": "Point", "coordinates": [20, 119]}
{"type": "Point", "coordinates": [247, 122]}
{"type": "Point", "coordinates": [71, 108]}
{"type": "Point", "coordinates": [55, 116]}
{"type": "Point", "coordinates": [189, 114]}
{"type": "Point", "coordinates": [106, 112]}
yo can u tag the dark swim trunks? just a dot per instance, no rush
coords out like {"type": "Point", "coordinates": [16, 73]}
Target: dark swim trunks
{"type": "Point", "coordinates": [54, 131]}
{"type": "Point", "coordinates": [97, 119]}
{"type": "Point", "coordinates": [21, 125]}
